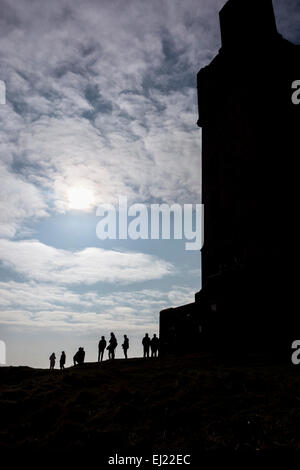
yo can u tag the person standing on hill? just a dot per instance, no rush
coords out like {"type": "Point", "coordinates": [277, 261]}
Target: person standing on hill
{"type": "Point", "coordinates": [146, 345]}
{"type": "Point", "coordinates": [79, 356]}
{"type": "Point", "coordinates": [154, 346]}
{"type": "Point", "coordinates": [112, 346]}
{"type": "Point", "coordinates": [101, 348]}
{"type": "Point", "coordinates": [52, 361]}
{"type": "Point", "coordinates": [62, 360]}
{"type": "Point", "coordinates": [125, 346]}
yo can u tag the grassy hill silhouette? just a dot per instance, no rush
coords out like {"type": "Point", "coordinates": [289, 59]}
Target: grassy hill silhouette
{"type": "Point", "coordinates": [194, 402]}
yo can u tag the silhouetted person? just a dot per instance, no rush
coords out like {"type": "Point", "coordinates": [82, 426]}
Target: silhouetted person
{"type": "Point", "coordinates": [125, 346]}
{"type": "Point", "coordinates": [79, 356]}
{"type": "Point", "coordinates": [101, 348]}
{"type": "Point", "coordinates": [154, 344]}
{"type": "Point", "coordinates": [62, 360]}
{"type": "Point", "coordinates": [112, 346]}
{"type": "Point", "coordinates": [146, 345]}
{"type": "Point", "coordinates": [52, 361]}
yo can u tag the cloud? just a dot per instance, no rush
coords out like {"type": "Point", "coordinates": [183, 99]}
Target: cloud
{"type": "Point", "coordinates": [114, 112]}
{"type": "Point", "coordinates": [287, 18]}
{"type": "Point", "coordinates": [20, 201]}
{"type": "Point", "coordinates": [43, 305]}
{"type": "Point", "coordinates": [180, 295]}
{"type": "Point", "coordinates": [40, 262]}
{"type": "Point", "coordinates": [86, 107]}
{"type": "Point", "coordinates": [37, 296]}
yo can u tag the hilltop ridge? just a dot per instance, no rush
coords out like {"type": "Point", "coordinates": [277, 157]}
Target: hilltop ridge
{"type": "Point", "coordinates": [191, 402]}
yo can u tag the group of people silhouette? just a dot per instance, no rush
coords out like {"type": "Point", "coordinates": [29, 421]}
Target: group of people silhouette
{"type": "Point", "coordinates": [147, 342]}
{"type": "Point", "coordinates": [152, 344]}
{"type": "Point", "coordinates": [62, 360]}
{"type": "Point", "coordinates": [77, 359]}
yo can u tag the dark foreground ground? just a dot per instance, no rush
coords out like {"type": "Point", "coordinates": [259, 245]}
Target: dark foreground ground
{"type": "Point", "coordinates": [197, 402]}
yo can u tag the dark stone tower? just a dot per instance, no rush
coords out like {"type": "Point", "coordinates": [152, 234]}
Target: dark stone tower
{"type": "Point", "coordinates": [250, 184]}
{"type": "Point", "coordinates": [247, 24]}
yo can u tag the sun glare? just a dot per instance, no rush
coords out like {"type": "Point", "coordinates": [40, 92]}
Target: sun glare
{"type": "Point", "coordinates": [80, 198]}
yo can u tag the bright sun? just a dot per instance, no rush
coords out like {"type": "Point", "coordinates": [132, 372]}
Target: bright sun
{"type": "Point", "coordinates": [80, 198]}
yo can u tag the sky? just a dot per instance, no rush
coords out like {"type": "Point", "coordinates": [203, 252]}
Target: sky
{"type": "Point", "coordinates": [100, 103]}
